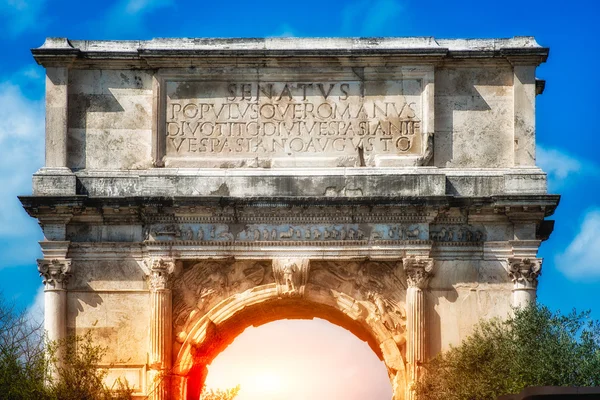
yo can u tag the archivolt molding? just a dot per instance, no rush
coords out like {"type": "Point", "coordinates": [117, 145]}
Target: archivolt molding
{"type": "Point", "coordinates": [208, 296]}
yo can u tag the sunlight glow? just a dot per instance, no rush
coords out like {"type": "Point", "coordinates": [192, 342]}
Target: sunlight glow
{"type": "Point", "coordinates": [300, 360]}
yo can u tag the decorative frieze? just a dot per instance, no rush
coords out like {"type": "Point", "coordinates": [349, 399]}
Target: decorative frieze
{"type": "Point", "coordinates": [284, 232]}
{"type": "Point", "coordinates": [55, 273]}
{"type": "Point", "coordinates": [456, 233]}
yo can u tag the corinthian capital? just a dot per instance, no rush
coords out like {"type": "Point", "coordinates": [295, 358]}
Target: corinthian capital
{"type": "Point", "coordinates": [161, 270]}
{"type": "Point", "coordinates": [524, 272]}
{"type": "Point", "coordinates": [55, 273]}
{"type": "Point", "coordinates": [418, 271]}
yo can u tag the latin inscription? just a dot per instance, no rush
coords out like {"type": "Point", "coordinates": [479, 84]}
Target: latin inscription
{"type": "Point", "coordinates": [293, 118]}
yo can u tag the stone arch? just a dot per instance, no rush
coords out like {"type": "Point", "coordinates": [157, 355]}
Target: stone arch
{"type": "Point", "coordinates": [216, 329]}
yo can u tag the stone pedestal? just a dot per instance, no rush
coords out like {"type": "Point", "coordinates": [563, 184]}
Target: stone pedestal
{"type": "Point", "coordinates": [160, 327]}
{"type": "Point", "coordinates": [55, 274]}
{"type": "Point", "coordinates": [418, 271]}
{"type": "Point", "coordinates": [524, 273]}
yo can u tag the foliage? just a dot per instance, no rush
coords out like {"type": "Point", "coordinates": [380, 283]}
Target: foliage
{"type": "Point", "coordinates": [25, 362]}
{"type": "Point", "coordinates": [23, 365]}
{"type": "Point", "coordinates": [535, 347]}
{"type": "Point", "coordinates": [219, 394]}
{"type": "Point", "coordinates": [78, 378]}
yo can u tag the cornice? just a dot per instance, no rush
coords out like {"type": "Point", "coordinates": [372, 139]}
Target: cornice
{"type": "Point", "coordinates": [157, 53]}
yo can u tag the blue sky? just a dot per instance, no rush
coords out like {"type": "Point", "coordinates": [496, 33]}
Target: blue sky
{"type": "Point", "coordinates": [568, 113]}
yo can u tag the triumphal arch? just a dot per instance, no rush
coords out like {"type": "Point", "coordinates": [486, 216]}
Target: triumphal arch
{"type": "Point", "coordinates": [195, 187]}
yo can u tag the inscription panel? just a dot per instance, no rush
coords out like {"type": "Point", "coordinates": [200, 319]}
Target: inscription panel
{"type": "Point", "coordinates": [270, 122]}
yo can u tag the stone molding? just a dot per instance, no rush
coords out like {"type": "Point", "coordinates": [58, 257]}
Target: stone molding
{"type": "Point", "coordinates": [55, 273]}
{"type": "Point", "coordinates": [291, 275]}
{"type": "Point", "coordinates": [524, 272]}
{"type": "Point", "coordinates": [161, 271]}
{"type": "Point", "coordinates": [418, 271]}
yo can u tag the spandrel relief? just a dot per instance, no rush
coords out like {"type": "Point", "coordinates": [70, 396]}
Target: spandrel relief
{"type": "Point", "coordinates": [375, 284]}
{"type": "Point", "coordinates": [202, 285]}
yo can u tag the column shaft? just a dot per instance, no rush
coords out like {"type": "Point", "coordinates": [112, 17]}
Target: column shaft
{"type": "Point", "coordinates": [55, 314]}
{"type": "Point", "coordinates": [160, 328]}
{"type": "Point", "coordinates": [55, 274]}
{"type": "Point", "coordinates": [415, 330]}
{"type": "Point", "coordinates": [418, 271]}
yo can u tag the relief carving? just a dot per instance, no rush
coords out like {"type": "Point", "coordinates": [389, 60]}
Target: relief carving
{"type": "Point", "coordinates": [202, 285]}
{"type": "Point", "coordinates": [291, 275]}
{"type": "Point", "coordinates": [391, 315]}
{"type": "Point", "coordinates": [449, 233]}
{"type": "Point", "coordinates": [284, 232]}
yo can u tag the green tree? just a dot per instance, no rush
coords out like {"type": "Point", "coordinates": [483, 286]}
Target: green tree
{"type": "Point", "coordinates": [23, 365]}
{"type": "Point", "coordinates": [534, 347]}
{"type": "Point", "coordinates": [25, 360]}
{"type": "Point", "coordinates": [228, 394]}
{"type": "Point", "coordinates": [78, 377]}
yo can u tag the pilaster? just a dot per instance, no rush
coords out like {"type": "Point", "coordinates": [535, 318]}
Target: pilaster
{"type": "Point", "coordinates": [418, 271]}
{"type": "Point", "coordinates": [55, 270]}
{"type": "Point", "coordinates": [524, 114]}
{"type": "Point", "coordinates": [159, 283]}
{"type": "Point", "coordinates": [57, 79]}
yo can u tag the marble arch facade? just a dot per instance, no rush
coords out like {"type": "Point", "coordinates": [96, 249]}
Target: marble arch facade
{"type": "Point", "coordinates": [194, 187]}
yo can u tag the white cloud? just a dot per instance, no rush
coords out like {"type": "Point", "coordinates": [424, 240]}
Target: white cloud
{"type": "Point", "coordinates": [22, 144]}
{"type": "Point", "coordinates": [35, 312]}
{"type": "Point", "coordinates": [126, 18]}
{"type": "Point", "coordinates": [21, 15]}
{"type": "Point", "coordinates": [561, 166]}
{"type": "Point", "coordinates": [581, 259]}
{"type": "Point", "coordinates": [285, 30]}
{"type": "Point", "coordinates": [372, 18]}
{"type": "Point", "coordinates": [141, 6]}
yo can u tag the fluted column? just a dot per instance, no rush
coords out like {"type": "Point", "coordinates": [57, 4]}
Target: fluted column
{"type": "Point", "coordinates": [524, 272]}
{"type": "Point", "coordinates": [55, 274]}
{"type": "Point", "coordinates": [418, 271]}
{"type": "Point", "coordinates": [160, 327]}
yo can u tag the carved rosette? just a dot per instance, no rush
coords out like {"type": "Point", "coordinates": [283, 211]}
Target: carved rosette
{"type": "Point", "coordinates": [524, 272]}
{"type": "Point", "coordinates": [291, 275]}
{"type": "Point", "coordinates": [161, 271]}
{"type": "Point", "coordinates": [418, 271]}
{"type": "Point", "coordinates": [55, 273]}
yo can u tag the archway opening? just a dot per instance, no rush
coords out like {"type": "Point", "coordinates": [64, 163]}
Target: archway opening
{"type": "Point", "coordinates": [300, 359]}
{"type": "Point", "coordinates": [218, 328]}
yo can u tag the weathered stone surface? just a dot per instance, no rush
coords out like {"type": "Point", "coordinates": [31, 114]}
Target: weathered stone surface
{"type": "Point", "coordinates": [195, 187]}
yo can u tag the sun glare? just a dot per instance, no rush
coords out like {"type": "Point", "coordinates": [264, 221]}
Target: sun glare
{"type": "Point", "coordinates": [266, 383]}
{"type": "Point", "coordinates": [300, 360]}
